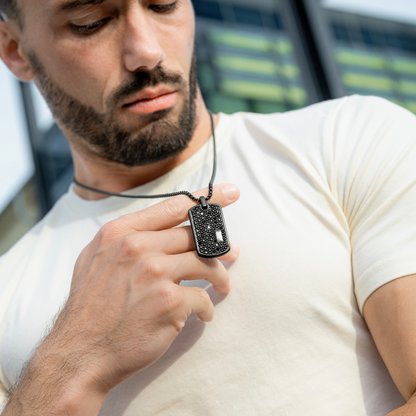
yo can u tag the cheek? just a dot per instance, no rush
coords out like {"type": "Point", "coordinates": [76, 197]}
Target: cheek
{"type": "Point", "coordinates": [178, 41]}
{"type": "Point", "coordinates": [86, 70]}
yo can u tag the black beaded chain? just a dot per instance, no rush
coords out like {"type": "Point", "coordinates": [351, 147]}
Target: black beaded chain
{"type": "Point", "coordinates": [200, 200]}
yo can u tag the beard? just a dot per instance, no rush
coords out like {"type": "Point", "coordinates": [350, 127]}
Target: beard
{"type": "Point", "coordinates": [160, 139]}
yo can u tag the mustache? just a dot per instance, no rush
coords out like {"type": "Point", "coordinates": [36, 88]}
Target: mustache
{"type": "Point", "coordinates": [142, 80]}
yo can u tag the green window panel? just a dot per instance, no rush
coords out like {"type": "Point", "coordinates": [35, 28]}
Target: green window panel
{"type": "Point", "coordinates": [368, 82]}
{"type": "Point", "coordinates": [264, 92]}
{"type": "Point", "coordinates": [250, 41]}
{"type": "Point", "coordinates": [266, 107]}
{"type": "Point", "coordinates": [253, 90]}
{"type": "Point", "coordinates": [290, 71]}
{"type": "Point", "coordinates": [283, 47]}
{"type": "Point", "coordinates": [246, 65]}
{"type": "Point", "coordinates": [297, 96]}
{"type": "Point", "coordinates": [407, 87]}
{"type": "Point", "coordinates": [238, 40]}
{"type": "Point", "coordinates": [404, 66]}
{"type": "Point", "coordinates": [411, 105]}
{"type": "Point", "coordinates": [345, 57]}
{"type": "Point", "coordinates": [256, 66]}
{"type": "Point", "coordinates": [229, 105]}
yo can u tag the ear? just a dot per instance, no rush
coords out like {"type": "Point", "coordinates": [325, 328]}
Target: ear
{"type": "Point", "coordinates": [12, 53]}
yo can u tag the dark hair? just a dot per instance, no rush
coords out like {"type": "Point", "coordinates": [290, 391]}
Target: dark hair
{"type": "Point", "coordinates": [11, 10]}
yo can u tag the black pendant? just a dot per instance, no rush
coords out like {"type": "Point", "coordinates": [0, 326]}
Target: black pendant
{"type": "Point", "coordinates": [208, 227]}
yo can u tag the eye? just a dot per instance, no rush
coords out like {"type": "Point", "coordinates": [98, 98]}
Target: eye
{"type": "Point", "coordinates": [164, 8]}
{"type": "Point", "coordinates": [91, 28]}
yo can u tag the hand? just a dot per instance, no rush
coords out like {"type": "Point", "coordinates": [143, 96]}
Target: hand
{"type": "Point", "coordinates": [126, 303]}
{"type": "Point", "coordinates": [125, 306]}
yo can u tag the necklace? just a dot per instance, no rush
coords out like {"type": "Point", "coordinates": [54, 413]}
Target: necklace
{"type": "Point", "coordinates": [207, 220]}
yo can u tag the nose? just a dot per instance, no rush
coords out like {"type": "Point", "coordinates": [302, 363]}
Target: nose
{"type": "Point", "coordinates": [141, 48]}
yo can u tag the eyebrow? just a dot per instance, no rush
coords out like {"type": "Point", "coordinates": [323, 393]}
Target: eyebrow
{"type": "Point", "coordinates": [75, 4]}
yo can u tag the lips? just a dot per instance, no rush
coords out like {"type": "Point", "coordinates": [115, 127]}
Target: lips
{"type": "Point", "coordinates": [149, 95]}
{"type": "Point", "coordinates": [149, 101]}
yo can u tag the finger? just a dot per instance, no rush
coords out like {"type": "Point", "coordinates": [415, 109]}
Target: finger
{"type": "Point", "coordinates": [176, 240]}
{"type": "Point", "coordinates": [173, 211]}
{"type": "Point", "coordinates": [179, 240]}
{"type": "Point", "coordinates": [232, 255]}
{"type": "Point", "coordinates": [197, 300]}
{"type": "Point", "coordinates": [189, 266]}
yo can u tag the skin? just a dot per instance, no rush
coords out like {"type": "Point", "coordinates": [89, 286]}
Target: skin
{"type": "Point", "coordinates": [390, 314]}
{"type": "Point", "coordinates": [74, 368]}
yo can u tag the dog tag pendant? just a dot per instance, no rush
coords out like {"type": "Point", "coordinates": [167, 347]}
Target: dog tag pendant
{"type": "Point", "coordinates": [208, 227]}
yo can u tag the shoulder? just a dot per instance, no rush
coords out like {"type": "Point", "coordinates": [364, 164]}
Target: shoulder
{"type": "Point", "coordinates": [298, 135]}
{"type": "Point", "coordinates": [334, 139]}
{"type": "Point", "coordinates": [297, 128]}
{"type": "Point", "coordinates": [361, 108]}
{"type": "Point", "coordinates": [369, 126]}
{"type": "Point", "coordinates": [312, 113]}
{"type": "Point", "coordinates": [368, 111]}
{"type": "Point", "coordinates": [32, 247]}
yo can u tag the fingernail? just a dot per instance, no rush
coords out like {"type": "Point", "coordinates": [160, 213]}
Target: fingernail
{"type": "Point", "coordinates": [230, 191]}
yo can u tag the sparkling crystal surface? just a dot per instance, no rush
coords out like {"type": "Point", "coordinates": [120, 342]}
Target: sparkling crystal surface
{"type": "Point", "coordinates": [205, 226]}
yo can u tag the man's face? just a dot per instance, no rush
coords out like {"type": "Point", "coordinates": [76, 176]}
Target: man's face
{"type": "Point", "coordinates": [120, 75]}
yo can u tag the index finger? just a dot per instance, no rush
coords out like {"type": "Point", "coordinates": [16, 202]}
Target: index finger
{"type": "Point", "coordinates": [174, 211]}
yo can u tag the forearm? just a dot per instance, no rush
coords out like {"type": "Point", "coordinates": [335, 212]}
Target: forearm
{"type": "Point", "coordinates": [54, 384]}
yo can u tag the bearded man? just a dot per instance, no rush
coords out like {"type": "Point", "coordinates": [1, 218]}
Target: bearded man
{"type": "Point", "coordinates": [104, 304]}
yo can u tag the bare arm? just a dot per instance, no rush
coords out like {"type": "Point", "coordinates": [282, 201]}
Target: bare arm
{"type": "Point", "coordinates": [124, 310]}
{"type": "Point", "coordinates": [390, 313]}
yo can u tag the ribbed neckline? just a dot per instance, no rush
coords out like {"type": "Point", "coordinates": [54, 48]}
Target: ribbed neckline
{"type": "Point", "coordinates": [163, 184]}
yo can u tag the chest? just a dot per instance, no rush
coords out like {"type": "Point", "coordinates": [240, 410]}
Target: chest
{"type": "Point", "coordinates": [294, 271]}
{"type": "Point", "coordinates": [294, 254]}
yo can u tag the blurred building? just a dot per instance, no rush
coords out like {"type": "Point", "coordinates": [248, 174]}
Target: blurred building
{"type": "Point", "coordinates": [264, 56]}
{"type": "Point", "coordinates": [250, 58]}
{"type": "Point", "coordinates": [366, 55]}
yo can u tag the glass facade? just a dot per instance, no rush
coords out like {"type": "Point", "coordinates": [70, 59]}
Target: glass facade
{"type": "Point", "coordinates": [246, 58]}
{"type": "Point", "coordinates": [377, 61]}
{"type": "Point", "coordinates": [370, 56]}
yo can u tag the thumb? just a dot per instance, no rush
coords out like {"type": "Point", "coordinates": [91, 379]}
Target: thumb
{"type": "Point", "coordinates": [173, 211]}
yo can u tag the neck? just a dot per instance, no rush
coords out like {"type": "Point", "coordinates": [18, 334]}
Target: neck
{"type": "Point", "coordinates": [94, 171]}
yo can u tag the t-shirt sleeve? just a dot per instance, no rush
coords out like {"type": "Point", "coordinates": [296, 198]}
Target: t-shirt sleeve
{"type": "Point", "coordinates": [373, 157]}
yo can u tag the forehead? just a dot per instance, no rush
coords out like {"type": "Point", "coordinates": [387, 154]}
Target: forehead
{"type": "Point", "coordinates": [63, 5]}
{"type": "Point", "coordinates": [49, 7]}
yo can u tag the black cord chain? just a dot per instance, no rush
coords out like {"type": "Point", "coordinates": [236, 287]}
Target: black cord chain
{"type": "Point", "coordinates": [211, 183]}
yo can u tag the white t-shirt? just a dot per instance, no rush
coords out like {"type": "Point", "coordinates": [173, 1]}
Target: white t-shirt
{"type": "Point", "coordinates": [326, 216]}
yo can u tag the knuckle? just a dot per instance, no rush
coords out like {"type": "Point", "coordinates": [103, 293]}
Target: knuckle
{"type": "Point", "coordinates": [132, 246]}
{"type": "Point", "coordinates": [153, 267]}
{"type": "Point", "coordinates": [169, 299]}
{"type": "Point", "coordinates": [203, 294]}
{"type": "Point", "coordinates": [178, 325]}
{"type": "Point", "coordinates": [106, 232]}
